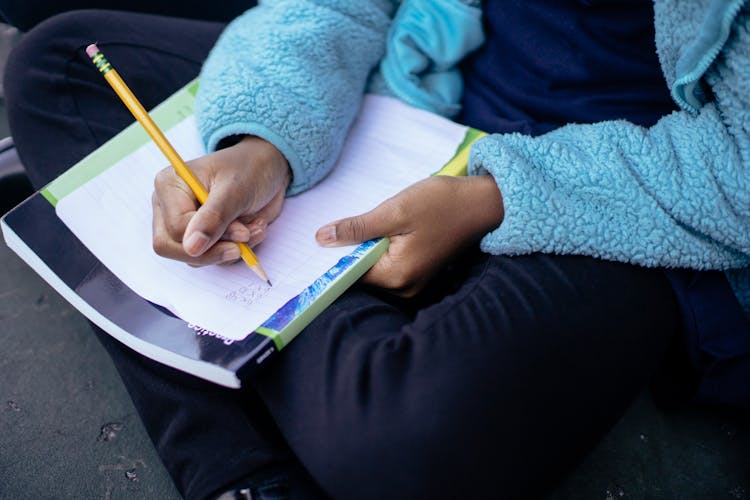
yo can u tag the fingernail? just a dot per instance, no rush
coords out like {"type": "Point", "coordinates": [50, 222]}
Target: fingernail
{"type": "Point", "coordinates": [231, 254]}
{"type": "Point", "coordinates": [255, 234]}
{"type": "Point", "coordinates": [327, 235]}
{"type": "Point", "coordinates": [196, 243]}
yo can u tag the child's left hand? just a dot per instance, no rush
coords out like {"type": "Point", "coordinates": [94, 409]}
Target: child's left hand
{"type": "Point", "coordinates": [428, 223]}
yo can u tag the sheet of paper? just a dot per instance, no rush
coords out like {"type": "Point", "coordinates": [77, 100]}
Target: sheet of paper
{"type": "Point", "coordinates": [389, 147]}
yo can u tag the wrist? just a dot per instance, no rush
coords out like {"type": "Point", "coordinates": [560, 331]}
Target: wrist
{"type": "Point", "coordinates": [255, 148]}
{"type": "Point", "coordinates": [484, 201]}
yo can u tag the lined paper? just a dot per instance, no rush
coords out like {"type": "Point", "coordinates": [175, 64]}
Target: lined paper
{"type": "Point", "coordinates": [389, 147]}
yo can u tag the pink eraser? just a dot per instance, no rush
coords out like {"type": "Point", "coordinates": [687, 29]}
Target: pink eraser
{"type": "Point", "coordinates": [92, 49]}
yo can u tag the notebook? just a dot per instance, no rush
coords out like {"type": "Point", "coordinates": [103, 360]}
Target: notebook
{"type": "Point", "coordinates": [219, 322]}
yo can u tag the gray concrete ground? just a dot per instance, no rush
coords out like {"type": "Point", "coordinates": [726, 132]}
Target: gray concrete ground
{"type": "Point", "coordinates": [69, 430]}
{"type": "Point", "coordinates": [68, 427]}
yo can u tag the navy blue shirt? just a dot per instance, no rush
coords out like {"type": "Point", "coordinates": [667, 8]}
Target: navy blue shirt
{"type": "Point", "coordinates": [546, 63]}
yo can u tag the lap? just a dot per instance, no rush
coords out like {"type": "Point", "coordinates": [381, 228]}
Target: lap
{"type": "Point", "coordinates": [517, 370]}
{"type": "Point", "coordinates": [494, 384]}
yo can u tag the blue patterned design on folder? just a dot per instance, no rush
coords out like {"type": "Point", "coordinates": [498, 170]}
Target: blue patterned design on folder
{"type": "Point", "coordinates": [286, 313]}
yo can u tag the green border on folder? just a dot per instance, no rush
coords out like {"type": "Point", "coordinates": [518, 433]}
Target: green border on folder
{"type": "Point", "coordinates": [459, 164]}
{"type": "Point", "coordinates": [166, 115]}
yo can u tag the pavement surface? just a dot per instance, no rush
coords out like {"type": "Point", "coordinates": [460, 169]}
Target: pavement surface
{"type": "Point", "coordinates": [68, 427]}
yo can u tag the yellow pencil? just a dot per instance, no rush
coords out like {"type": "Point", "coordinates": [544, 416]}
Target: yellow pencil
{"type": "Point", "coordinates": [140, 114]}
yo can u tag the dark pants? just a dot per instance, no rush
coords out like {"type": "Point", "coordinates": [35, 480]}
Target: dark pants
{"type": "Point", "coordinates": [25, 14]}
{"type": "Point", "coordinates": [490, 385]}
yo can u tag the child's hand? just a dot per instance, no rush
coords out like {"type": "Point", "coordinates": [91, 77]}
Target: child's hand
{"type": "Point", "coordinates": [428, 223]}
{"type": "Point", "coordinates": [246, 184]}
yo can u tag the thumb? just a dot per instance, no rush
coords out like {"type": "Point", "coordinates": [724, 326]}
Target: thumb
{"type": "Point", "coordinates": [373, 224]}
{"type": "Point", "coordinates": [210, 220]}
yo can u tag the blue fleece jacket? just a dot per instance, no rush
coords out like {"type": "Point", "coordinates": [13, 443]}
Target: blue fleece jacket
{"type": "Point", "coordinates": [676, 194]}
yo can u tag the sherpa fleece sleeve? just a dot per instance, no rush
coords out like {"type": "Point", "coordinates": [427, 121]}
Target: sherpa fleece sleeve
{"type": "Point", "coordinates": [676, 194]}
{"type": "Point", "coordinates": [293, 72]}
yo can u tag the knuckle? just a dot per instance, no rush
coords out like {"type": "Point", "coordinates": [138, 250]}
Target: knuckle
{"type": "Point", "coordinates": [355, 227]}
{"type": "Point", "coordinates": [406, 281]}
{"type": "Point", "coordinates": [175, 227]}
{"type": "Point", "coordinates": [398, 208]}
{"type": "Point", "coordinates": [398, 281]}
{"type": "Point", "coordinates": [409, 279]}
{"type": "Point", "coordinates": [213, 216]}
{"type": "Point", "coordinates": [161, 179]}
{"type": "Point", "coordinates": [256, 238]}
{"type": "Point", "coordinates": [160, 245]}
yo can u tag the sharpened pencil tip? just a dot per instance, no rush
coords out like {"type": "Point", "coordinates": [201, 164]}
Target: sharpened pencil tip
{"type": "Point", "coordinates": [269, 282]}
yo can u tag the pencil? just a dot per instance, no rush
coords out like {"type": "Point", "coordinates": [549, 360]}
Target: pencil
{"type": "Point", "coordinates": [140, 114]}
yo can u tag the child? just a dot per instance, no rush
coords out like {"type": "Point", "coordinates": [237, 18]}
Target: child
{"type": "Point", "coordinates": [491, 371]}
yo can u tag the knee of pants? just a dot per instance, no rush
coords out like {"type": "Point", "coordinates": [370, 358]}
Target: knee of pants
{"type": "Point", "coordinates": [424, 455]}
{"type": "Point", "coordinates": [433, 438]}
{"type": "Point", "coordinates": [44, 52]}
{"type": "Point", "coordinates": [39, 98]}
{"type": "Point", "coordinates": [490, 419]}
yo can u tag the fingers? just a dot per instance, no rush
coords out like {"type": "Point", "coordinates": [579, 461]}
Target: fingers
{"type": "Point", "coordinates": [185, 231]}
{"type": "Point", "coordinates": [175, 211]}
{"type": "Point", "coordinates": [254, 231]}
{"type": "Point", "coordinates": [224, 204]}
{"type": "Point", "coordinates": [383, 220]}
{"type": "Point", "coordinates": [237, 231]}
{"type": "Point", "coordinates": [174, 206]}
{"type": "Point", "coordinates": [212, 219]}
{"type": "Point", "coordinates": [396, 270]}
{"type": "Point", "coordinates": [175, 201]}
{"type": "Point", "coordinates": [166, 246]}
{"type": "Point", "coordinates": [246, 184]}
{"type": "Point", "coordinates": [395, 273]}
{"type": "Point", "coordinates": [387, 219]}
{"type": "Point", "coordinates": [271, 211]}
